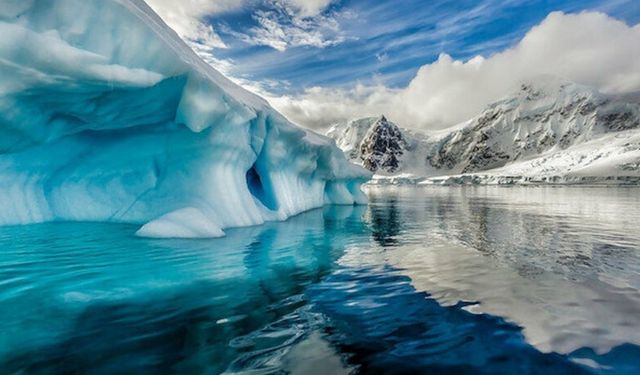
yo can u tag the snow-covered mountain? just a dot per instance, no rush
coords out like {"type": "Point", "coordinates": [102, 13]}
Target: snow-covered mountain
{"type": "Point", "coordinates": [107, 115]}
{"type": "Point", "coordinates": [381, 146]}
{"type": "Point", "coordinates": [550, 130]}
{"type": "Point", "coordinates": [375, 142]}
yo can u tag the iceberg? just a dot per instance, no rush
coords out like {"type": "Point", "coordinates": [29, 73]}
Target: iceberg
{"type": "Point", "coordinates": [107, 115]}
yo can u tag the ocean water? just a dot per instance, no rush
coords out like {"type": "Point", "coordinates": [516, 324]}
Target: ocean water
{"type": "Point", "coordinates": [423, 280]}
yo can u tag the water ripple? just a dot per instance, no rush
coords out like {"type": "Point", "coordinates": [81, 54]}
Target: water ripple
{"type": "Point", "coordinates": [468, 280]}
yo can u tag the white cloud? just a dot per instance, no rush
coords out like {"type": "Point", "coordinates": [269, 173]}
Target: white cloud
{"type": "Point", "coordinates": [185, 17]}
{"type": "Point", "coordinates": [589, 48]}
{"type": "Point", "coordinates": [309, 8]}
{"type": "Point", "coordinates": [293, 23]}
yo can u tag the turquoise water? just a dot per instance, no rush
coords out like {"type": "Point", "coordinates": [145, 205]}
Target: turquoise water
{"type": "Point", "coordinates": [447, 280]}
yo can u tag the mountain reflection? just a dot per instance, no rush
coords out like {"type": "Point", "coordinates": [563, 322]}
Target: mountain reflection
{"type": "Point", "coordinates": [384, 221]}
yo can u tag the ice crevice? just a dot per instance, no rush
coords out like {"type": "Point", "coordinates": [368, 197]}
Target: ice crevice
{"type": "Point", "coordinates": [106, 115]}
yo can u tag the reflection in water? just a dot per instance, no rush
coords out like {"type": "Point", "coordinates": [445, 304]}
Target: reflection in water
{"type": "Point", "coordinates": [562, 262]}
{"type": "Point", "coordinates": [586, 230]}
{"type": "Point", "coordinates": [121, 304]}
{"type": "Point", "coordinates": [389, 327]}
{"type": "Point", "coordinates": [384, 223]}
{"type": "Point", "coordinates": [441, 280]}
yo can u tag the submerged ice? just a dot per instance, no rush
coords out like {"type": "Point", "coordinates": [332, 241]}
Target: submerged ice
{"type": "Point", "coordinates": [106, 115]}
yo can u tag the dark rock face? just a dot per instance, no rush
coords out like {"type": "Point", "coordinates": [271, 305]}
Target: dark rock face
{"type": "Point", "coordinates": [511, 130]}
{"type": "Point", "coordinates": [619, 121]}
{"type": "Point", "coordinates": [382, 147]}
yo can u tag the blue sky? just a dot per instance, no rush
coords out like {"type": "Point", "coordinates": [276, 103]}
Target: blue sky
{"type": "Point", "coordinates": [386, 40]}
{"type": "Point", "coordinates": [322, 61]}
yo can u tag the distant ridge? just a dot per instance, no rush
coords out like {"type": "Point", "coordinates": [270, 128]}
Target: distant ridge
{"type": "Point", "coordinates": [551, 130]}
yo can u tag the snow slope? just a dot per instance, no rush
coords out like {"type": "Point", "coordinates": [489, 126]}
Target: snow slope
{"type": "Point", "coordinates": [106, 115]}
{"type": "Point", "coordinates": [549, 131]}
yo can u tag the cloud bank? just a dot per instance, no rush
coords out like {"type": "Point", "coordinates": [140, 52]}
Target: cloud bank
{"type": "Point", "coordinates": [589, 48]}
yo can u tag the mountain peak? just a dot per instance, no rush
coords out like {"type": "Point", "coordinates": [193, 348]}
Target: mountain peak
{"type": "Point", "coordinates": [382, 146]}
{"type": "Point", "coordinates": [541, 116]}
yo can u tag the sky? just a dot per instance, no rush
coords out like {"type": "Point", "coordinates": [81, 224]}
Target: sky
{"type": "Point", "coordinates": [426, 64]}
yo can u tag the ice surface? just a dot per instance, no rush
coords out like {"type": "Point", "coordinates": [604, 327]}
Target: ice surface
{"type": "Point", "coordinates": [106, 115]}
{"type": "Point", "coordinates": [183, 223]}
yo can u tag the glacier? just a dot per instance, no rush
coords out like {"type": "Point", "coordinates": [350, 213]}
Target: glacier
{"type": "Point", "coordinates": [107, 115]}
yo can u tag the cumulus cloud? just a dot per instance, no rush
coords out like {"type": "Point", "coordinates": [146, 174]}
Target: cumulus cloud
{"type": "Point", "coordinates": [589, 48]}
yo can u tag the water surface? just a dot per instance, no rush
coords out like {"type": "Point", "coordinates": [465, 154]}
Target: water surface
{"type": "Point", "coordinates": [448, 280]}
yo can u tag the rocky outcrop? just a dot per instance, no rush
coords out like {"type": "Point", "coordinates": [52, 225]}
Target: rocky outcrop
{"type": "Point", "coordinates": [382, 146]}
